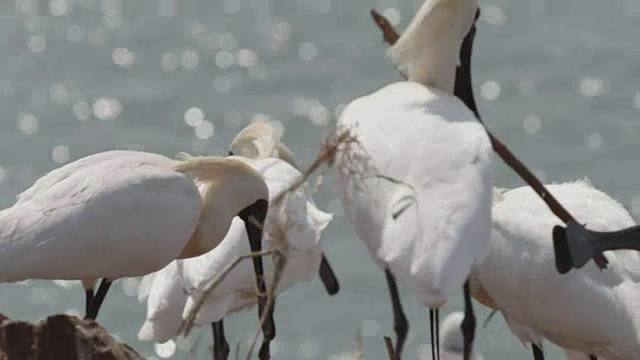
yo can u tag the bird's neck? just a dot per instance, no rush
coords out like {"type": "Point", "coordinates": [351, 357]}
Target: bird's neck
{"type": "Point", "coordinates": [430, 46]}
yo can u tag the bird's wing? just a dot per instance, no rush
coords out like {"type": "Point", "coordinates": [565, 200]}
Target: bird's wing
{"type": "Point", "coordinates": [124, 215]}
{"type": "Point", "coordinates": [212, 310]}
{"type": "Point", "coordinates": [420, 194]}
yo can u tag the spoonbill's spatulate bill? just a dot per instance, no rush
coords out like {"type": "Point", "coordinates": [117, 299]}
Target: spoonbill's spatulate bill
{"type": "Point", "coordinates": [173, 291]}
{"type": "Point", "coordinates": [589, 310]}
{"type": "Point", "coordinates": [416, 181]}
{"type": "Point", "coordinates": [125, 213]}
{"type": "Point", "coordinates": [259, 140]}
{"type": "Point", "coordinates": [581, 244]}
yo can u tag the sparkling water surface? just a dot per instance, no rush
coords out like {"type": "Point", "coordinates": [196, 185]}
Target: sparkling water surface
{"type": "Point", "coordinates": [558, 82]}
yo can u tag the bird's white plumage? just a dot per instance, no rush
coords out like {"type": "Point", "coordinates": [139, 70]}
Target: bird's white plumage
{"type": "Point", "coordinates": [416, 185]}
{"type": "Point", "coordinates": [96, 217]}
{"type": "Point", "coordinates": [587, 310]}
{"type": "Point", "coordinates": [166, 296]}
{"type": "Point", "coordinates": [300, 220]}
{"type": "Point", "coordinates": [260, 140]}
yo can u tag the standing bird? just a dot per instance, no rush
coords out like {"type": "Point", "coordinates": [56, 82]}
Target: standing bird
{"type": "Point", "coordinates": [173, 291]}
{"type": "Point", "coordinates": [452, 341]}
{"type": "Point", "coordinates": [592, 311]}
{"type": "Point", "coordinates": [126, 213]}
{"type": "Point", "coordinates": [259, 140]}
{"type": "Point", "coordinates": [415, 180]}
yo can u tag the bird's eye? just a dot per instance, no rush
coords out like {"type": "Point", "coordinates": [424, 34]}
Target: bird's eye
{"type": "Point", "coordinates": [230, 153]}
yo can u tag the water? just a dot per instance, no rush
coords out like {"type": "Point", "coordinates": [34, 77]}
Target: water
{"type": "Point", "coordinates": [557, 81]}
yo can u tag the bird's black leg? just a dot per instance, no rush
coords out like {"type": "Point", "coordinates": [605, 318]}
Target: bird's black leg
{"type": "Point", "coordinates": [434, 315]}
{"type": "Point", "coordinates": [591, 357]}
{"type": "Point", "coordinates": [96, 303]}
{"type": "Point", "coordinates": [253, 217]}
{"type": "Point", "coordinates": [268, 332]}
{"type": "Point", "coordinates": [537, 352]}
{"type": "Point", "coordinates": [88, 300]}
{"type": "Point", "coordinates": [328, 277]}
{"type": "Point", "coordinates": [437, 324]}
{"type": "Point", "coordinates": [468, 326]}
{"type": "Point", "coordinates": [400, 323]}
{"type": "Point", "coordinates": [220, 344]}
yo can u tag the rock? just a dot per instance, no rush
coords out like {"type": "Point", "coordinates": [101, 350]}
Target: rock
{"type": "Point", "coordinates": [60, 337]}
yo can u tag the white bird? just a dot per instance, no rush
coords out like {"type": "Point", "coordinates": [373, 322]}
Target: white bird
{"type": "Point", "coordinates": [260, 140]}
{"type": "Point", "coordinates": [415, 181]}
{"type": "Point", "coordinates": [173, 291]}
{"type": "Point", "coordinates": [452, 340]}
{"type": "Point", "coordinates": [592, 311]}
{"type": "Point", "coordinates": [125, 213]}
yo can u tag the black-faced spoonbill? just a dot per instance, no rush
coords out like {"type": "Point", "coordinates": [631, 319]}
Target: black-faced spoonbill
{"type": "Point", "coordinates": [416, 181]}
{"type": "Point", "coordinates": [593, 311]}
{"type": "Point", "coordinates": [173, 290]}
{"type": "Point", "coordinates": [260, 140]}
{"type": "Point", "coordinates": [126, 213]}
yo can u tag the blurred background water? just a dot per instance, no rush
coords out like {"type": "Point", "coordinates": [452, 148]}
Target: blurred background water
{"type": "Point", "coordinates": [557, 81]}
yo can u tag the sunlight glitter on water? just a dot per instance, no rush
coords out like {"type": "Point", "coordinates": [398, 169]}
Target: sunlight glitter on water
{"type": "Point", "coordinates": [169, 61]}
{"type": "Point", "coordinates": [37, 44]}
{"type": "Point", "coordinates": [27, 123]}
{"type": "Point", "coordinates": [194, 116]}
{"type": "Point", "coordinates": [204, 130]}
{"type": "Point", "coordinates": [189, 59]}
{"type": "Point", "coordinates": [60, 154]}
{"type": "Point", "coordinates": [493, 15]}
{"type": "Point", "coordinates": [591, 87]}
{"type": "Point", "coordinates": [307, 51]}
{"type": "Point", "coordinates": [490, 90]}
{"type": "Point", "coordinates": [123, 57]}
{"type": "Point", "coordinates": [106, 108]}
{"type": "Point", "coordinates": [224, 59]}
{"type": "Point", "coordinates": [531, 124]}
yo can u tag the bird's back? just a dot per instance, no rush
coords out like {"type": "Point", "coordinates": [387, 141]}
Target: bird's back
{"type": "Point", "coordinates": [109, 215]}
{"type": "Point", "coordinates": [416, 185]}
